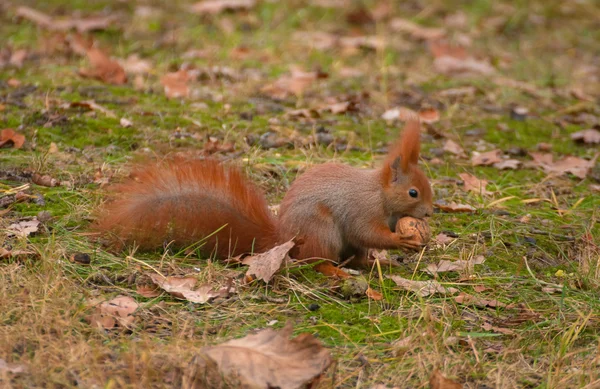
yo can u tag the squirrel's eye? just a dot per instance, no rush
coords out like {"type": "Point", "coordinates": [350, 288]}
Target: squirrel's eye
{"type": "Point", "coordinates": [413, 193]}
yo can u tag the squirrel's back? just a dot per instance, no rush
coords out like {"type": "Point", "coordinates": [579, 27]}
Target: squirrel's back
{"type": "Point", "coordinates": [185, 202]}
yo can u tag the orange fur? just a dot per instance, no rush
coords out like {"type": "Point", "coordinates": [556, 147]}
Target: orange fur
{"type": "Point", "coordinates": [186, 201]}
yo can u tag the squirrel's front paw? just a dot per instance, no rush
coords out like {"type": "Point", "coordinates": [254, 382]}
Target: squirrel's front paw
{"type": "Point", "coordinates": [409, 242]}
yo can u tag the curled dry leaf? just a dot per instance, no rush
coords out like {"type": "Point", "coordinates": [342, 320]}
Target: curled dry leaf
{"type": "Point", "coordinates": [487, 158]}
{"type": "Point", "coordinates": [507, 164]}
{"type": "Point", "coordinates": [505, 331]}
{"type": "Point", "coordinates": [23, 228]}
{"type": "Point", "coordinates": [213, 7]}
{"type": "Point", "coordinates": [116, 311]}
{"type": "Point", "coordinates": [373, 294]}
{"type": "Point", "coordinates": [587, 136]}
{"type": "Point", "coordinates": [91, 105]}
{"type": "Point", "coordinates": [578, 167]}
{"type": "Point", "coordinates": [422, 288]}
{"type": "Point", "coordinates": [268, 359]}
{"type": "Point", "coordinates": [44, 180]}
{"type": "Point", "coordinates": [416, 31]}
{"type": "Point", "coordinates": [103, 68]}
{"type": "Point", "coordinates": [294, 84]}
{"type": "Point", "coordinates": [454, 148]}
{"type": "Point", "coordinates": [469, 299]}
{"type": "Point", "coordinates": [443, 239]}
{"type": "Point", "coordinates": [4, 253]}
{"type": "Point", "coordinates": [182, 287]}
{"type": "Point", "coordinates": [14, 368]}
{"type": "Point", "coordinates": [176, 84]}
{"type": "Point", "coordinates": [448, 266]}
{"type": "Point", "coordinates": [264, 265]}
{"type": "Point", "coordinates": [474, 184]}
{"type": "Point", "coordinates": [454, 207]}
{"type": "Point", "coordinates": [135, 65]}
{"type": "Point", "coordinates": [53, 24]}
{"type": "Point", "coordinates": [9, 137]}
{"type": "Point", "coordinates": [439, 381]}
{"type": "Point", "coordinates": [148, 291]}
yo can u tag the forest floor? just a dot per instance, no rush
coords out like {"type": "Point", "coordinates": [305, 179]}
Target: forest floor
{"type": "Point", "coordinates": [504, 90]}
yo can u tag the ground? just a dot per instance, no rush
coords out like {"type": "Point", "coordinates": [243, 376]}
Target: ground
{"type": "Point", "coordinates": [259, 88]}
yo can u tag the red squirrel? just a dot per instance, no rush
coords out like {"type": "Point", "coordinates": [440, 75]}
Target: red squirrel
{"type": "Point", "coordinates": [336, 212]}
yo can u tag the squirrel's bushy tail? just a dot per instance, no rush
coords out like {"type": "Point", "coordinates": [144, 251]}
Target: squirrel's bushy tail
{"type": "Point", "coordinates": [186, 202]}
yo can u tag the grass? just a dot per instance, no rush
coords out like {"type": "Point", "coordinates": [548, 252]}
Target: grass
{"type": "Point", "coordinates": [540, 244]}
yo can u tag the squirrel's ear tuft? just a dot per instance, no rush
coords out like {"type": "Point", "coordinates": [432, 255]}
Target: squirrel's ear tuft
{"type": "Point", "coordinates": [410, 144]}
{"type": "Point", "coordinates": [406, 150]}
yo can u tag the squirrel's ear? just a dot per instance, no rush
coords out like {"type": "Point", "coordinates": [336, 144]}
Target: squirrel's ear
{"type": "Point", "coordinates": [395, 170]}
{"type": "Point", "coordinates": [410, 144]}
{"type": "Point", "coordinates": [406, 150]}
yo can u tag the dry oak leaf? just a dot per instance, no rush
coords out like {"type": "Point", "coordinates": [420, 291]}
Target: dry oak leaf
{"type": "Point", "coordinates": [422, 288]}
{"type": "Point", "coordinates": [264, 265]}
{"type": "Point", "coordinates": [91, 105]}
{"type": "Point", "coordinates": [487, 158]}
{"type": "Point", "coordinates": [474, 184]}
{"type": "Point", "coordinates": [373, 294]}
{"type": "Point", "coordinates": [415, 30]}
{"type": "Point", "coordinates": [80, 24]}
{"type": "Point", "coordinates": [293, 84]}
{"type": "Point", "coordinates": [578, 167]}
{"type": "Point", "coordinates": [23, 228]}
{"type": "Point", "coordinates": [213, 7]}
{"type": "Point", "coordinates": [587, 136]}
{"type": "Point", "coordinates": [182, 287]}
{"type": "Point", "coordinates": [454, 207]}
{"type": "Point", "coordinates": [507, 164]}
{"type": "Point", "coordinates": [469, 299]}
{"type": "Point", "coordinates": [116, 311]}
{"type": "Point", "coordinates": [11, 367]}
{"type": "Point", "coordinates": [103, 68]}
{"type": "Point", "coordinates": [439, 381]}
{"type": "Point", "coordinates": [505, 331]}
{"type": "Point", "coordinates": [268, 359]}
{"type": "Point", "coordinates": [176, 84]}
{"type": "Point", "coordinates": [148, 291]}
{"type": "Point", "coordinates": [460, 265]}
{"type": "Point", "coordinates": [443, 239]}
{"type": "Point", "coordinates": [8, 137]}
{"type": "Point", "coordinates": [454, 148]}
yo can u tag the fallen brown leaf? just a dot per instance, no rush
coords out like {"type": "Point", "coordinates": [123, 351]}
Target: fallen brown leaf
{"type": "Point", "coordinates": [452, 60]}
{"type": "Point", "coordinates": [474, 184]}
{"type": "Point", "coordinates": [213, 7]}
{"type": "Point", "coordinates": [135, 65]}
{"type": "Point", "coordinates": [23, 228]}
{"type": "Point", "coordinates": [507, 164]}
{"type": "Point", "coordinates": [416, 31]}
{"type": "Point", "coordinates": [13, 368]}
{"type": "Point", "coordinates": [468, 299]}
{"type": "Point", "coordinates": [422, 288]}
{"type": "Point", "coordinates": [182, 287]}
{"type": "Point", "coordinates": [443, 239]}
{"type": "Point", "coordinates": [91, 105]}
{"type": "Point", "coordinates": [489, 327]}
{"type": "Point", "coordinates": [429, 115]}
{"type": "Point", "coordinates": [454, 207]}
{"type": "Point", "coordinates": [587, 136]}
{"type": "Point", "coordinates": [268, 359]}
{"type": "Point", "coordinates": [8, 137]}
{"type": "Point", "coordinates": [264, 265]}
{"type": "Point", "coordinates": [176, 84]}
{"type": "Point", "coordinates": [487, 158]}
{"type": "Point", "coordinates": [401, 113]}
{"type": "Point", "coordinates": [454, 148]}
{"type": "Point", "coordinates": [80, 24]}
{"type": "Point", "coordinates": [44, 180]}
{"type": "Point", "coordinates": [148, 291]}
{"type": "Point", "coordinates": [373, 294]}
{"type": "Point", "coordinates": [103, 68]}
{"type": "Point", "coordinates": [4, 253]}
{"type": "Point", "coordinates": [578, 167]}
{"type": "Point", "coordinates": [439, 381]}
{"type": "Point", "coordinates": [448, 266]}
{"type": "Point", "coordinates": [372, 42]}
{"type": "Point", "coordinates": [18, 57]}
{"type": "Point", "coordinates": [116, 311]}
{"type": "Point", "coordinates": [293, 84]}
{"type": "Point", "coordinates": [319, 40]}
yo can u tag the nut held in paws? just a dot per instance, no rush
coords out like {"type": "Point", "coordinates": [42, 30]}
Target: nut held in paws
{"type": "Point", "coordinates": [418, 227]}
